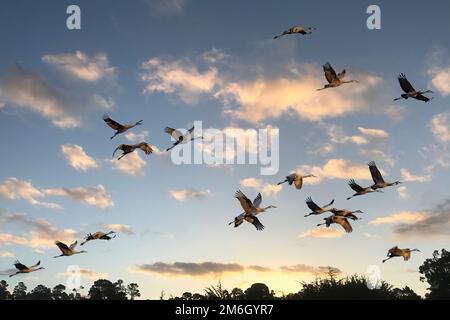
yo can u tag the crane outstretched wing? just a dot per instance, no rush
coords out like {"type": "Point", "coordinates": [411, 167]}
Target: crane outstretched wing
{"type": "Point", "coordinates": [36, 265]}
{"type": "Point", "coordinates": [113, 124]}
{"type": "Point", "coordinates": [405, 84]}
{"type": "Point", "coordinates": [73, 245]}
{"type": "Point", "coordinates": [62, 246]}
{"type": "Point", "coordinates": [175, 134]}
{"type": "Point", "coordinates": [376, 174]}
{"type": "Point", "coordinates": [255, 221]}
{"type": "Point", "coordinates": [120, 147]}
{"type": "Point", "coordinates": [169, 130]}
{"type": "Point", "coordinates": [246, 204]}
{"type": "Point", "coordinates": [257, 201]}
{"type": "Point", "coordinates": [341, 75]}
{"type": "Point", "coordinates": [312, 205]}
{"type": "Point", "coordinates": [421, 97]}
{"type": "Point", "coordinates": [329, 204]}
{"type": "Point", "coordinates": [330, 74]}
{"type": "Point", "coordinates": [356, 187]}
{"type": "Point", "coordinates": [145, 147]}
{"type": "Point", "coordinates": [344, 223]}
{"type": "Point", "coordinates": [20, 266]}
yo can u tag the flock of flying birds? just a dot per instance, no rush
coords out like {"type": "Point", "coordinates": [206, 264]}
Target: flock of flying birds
{"type": "Point", "coordinates": [252, 209]}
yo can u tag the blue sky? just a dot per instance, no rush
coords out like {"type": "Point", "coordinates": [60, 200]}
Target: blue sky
{"type": "Point", "coordinates": [171, 63]}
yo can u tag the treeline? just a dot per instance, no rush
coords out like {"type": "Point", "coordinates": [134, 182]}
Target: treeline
{"type": "Point", "coordinates": [354, 287]}
{"type": "Point", "coordinates": [101, 290]}
{"type": "Point", "coordinates": [435, 271]}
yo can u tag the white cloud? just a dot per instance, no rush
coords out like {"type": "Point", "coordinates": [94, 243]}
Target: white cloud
{"type": "Point", "coordinates": [13, 188]}
{"type": "Point", "coordinates": [441, 81]}
{"type": "Point", "coordinates": [409, 177]}
{"type": "Point", "coordinates": [440, 127]}
{"type": "Point", "coordinates": [184, 194]}
{"type": "Point", "coordinates": [374, 133]}
{"type": "Point", "coordinates": [434, 225]}
{"type": "Point", "coordinates": [259, 98]}
{"type": "Point", "coordinates": [178, 77]}
{"type": "Point", "coordinates": [103, 103]}
{"type": "Point", "coordinates": [12, 239]}
{"type": "Point", "coordinates": [219, 269]}
{"type": "Point", "coordinates": [403, 192]}
{"type": "Point", "coordinates": [77, 157]}
{"type": "Point", "coordinates": [132, 164]}
{"type": "Point", "coordinates": [378, 154]}
{"type": "Point", "coordinates": [42, 233]}
{"type": "Point", "coordinates": [6, 254]}
{"type": "Point", "coordinates": [266, 189]}
{"type": "Point", "coordinates": [337, 135]}
{"type": "Point", "coordinates": [96, 196]}
{"type": "Point", "coordinates": [214, 56]}
{"type": "Point", "coordinates": [439, 70]}
{"type": "Point", "coordinates": [27, 89]}
{"type": "Point", "coordinates": [80, 66]}
{"type": "Point", "coordinates": [367, 136]}
{"type": "Point", "coordinates": [336, 169]}
{"type": "Point", "coordinates": [268, 98]}
{"type": "Point", "coordinates": [405, 217]}
{"type": "Point", "coordinates": [123, 228]}
{"type": "Point", "coordinates": [322, 233]}
{"type": "Point", "coordinates": [436, 154]}
{"type": "Point", "coordinates": [137, 137]}
{"type": "Point", "coordinates": [395, 113]}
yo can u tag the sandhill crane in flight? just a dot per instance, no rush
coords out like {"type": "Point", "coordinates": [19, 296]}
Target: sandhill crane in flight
{"type": "Point", "coordinates": [67, 250]}
{"type": "Point", "coordinates": [127, 148]}
{"type": "Point", "coordinates": [251, 209]}
{"type": "Point", "coordinates": [396, 252]}
{"type": "Point", "coordinates": [296, 30]}
{"type": "Point", "coordinates": [179, 137]}
{"type": "Point", "coordinates": [98, 236]}
{"type": "Point", "coordinates": [338, 220]}
{"type": "Point", "coordinates": [316, 210]}
{"type": "Point", "coordinates": [296, 179]}
{"type": "Point", "coordinates": [377, 178]}
{"type": "Point", "coordinates": [120, 128]}
{"type": "Point", "coordinates": [409, 90]}
{"type": "Point", "coordinates": [24, 269]}
{"type": "Point", "coordinates": [334, 80]}
{"type": "Point", "coordinates": [346, 213]}
{"type": "Point", "coordinates": [360, 190]}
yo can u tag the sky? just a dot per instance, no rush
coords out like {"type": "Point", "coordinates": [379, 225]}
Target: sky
{"type": "Point", "coordinates": [171, 63]}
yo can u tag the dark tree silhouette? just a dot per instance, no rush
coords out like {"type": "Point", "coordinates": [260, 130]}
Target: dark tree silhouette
{"type": "Point", "coordinates": [216, 292]}
{"type": "Point", "coordinates": [20, 291]}
{"type": "Point", "coordinates": [258, 291]}
{"type": "Point", "coordinates": [198, 296]}
{"type": "Point", "coordinates": [349, 288]}
{"type": "Point", "coordinates": [133, 291]}
{"type": "Point", "coordinates": [106, 290]}
{"type": "Point", "coordinates": [405, 294]}
{"type": "Point", "coordinates": [436, 271]}
{"type": "Point", "coordinates": [4, 293]}
{"type": "Point", "coordinates": [59, 293]}
{"type": "Point", "coordinates": [237, 294]}
{"type": "Point", "coordinates": [41, 292]}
